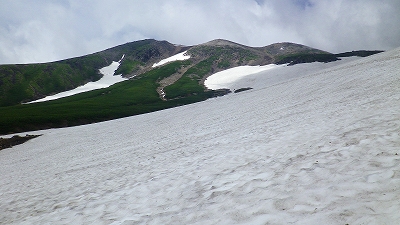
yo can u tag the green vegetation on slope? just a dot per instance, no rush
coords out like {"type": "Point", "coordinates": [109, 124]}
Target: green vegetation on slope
{"type": "Point", "coordinates": [184, 87]}
{"type": "Point", "coordinates": [189, 83]}
{"type": "Point", "coordinates": [128, 66]}
{"type": "Point", "coordinates": [20, 83]}
{"type": "Point", "coordinates": [225, 53]}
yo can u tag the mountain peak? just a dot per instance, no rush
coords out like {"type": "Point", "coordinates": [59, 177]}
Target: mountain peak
{"type": "Point", "coordinates": [222, 42]}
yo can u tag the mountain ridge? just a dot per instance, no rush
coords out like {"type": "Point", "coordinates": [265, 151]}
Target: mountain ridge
{"type": "Point", "coordinates": [21, 83]}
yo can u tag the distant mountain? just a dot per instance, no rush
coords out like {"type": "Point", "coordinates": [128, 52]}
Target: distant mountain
{"type": "Point", "coordinates": [148, 89]}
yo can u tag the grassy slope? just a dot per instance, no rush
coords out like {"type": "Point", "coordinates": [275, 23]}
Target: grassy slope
{"type": "Point", "coordinates": [19, 83]}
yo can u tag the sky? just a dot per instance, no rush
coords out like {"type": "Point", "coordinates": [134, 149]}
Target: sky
{"type": "Point", "coordinates": [49, 30]}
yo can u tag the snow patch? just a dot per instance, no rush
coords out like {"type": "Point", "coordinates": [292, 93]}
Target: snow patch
{"type": "Point", "coordinates": [123, 56]}
{"type": "Point", "coordinates": [180, 56]}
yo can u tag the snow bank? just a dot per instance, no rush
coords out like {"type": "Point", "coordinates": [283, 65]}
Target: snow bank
{"type": "Point", "coordinates": [224, 78]}
{"type": "Point", "coordinates": [107, 80]}
{"type": "Point", "coordinates": [179, 56]}
{"type": "Point", "coordinates": [321, 148]}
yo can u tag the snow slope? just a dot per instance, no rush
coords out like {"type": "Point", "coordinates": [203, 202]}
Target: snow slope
{"type": "Point", "coordinates": [321, 148]}
{"type": "Point", "coordinates": [226, 77]}
{"type": "Point", "coordinates": [107, 80]}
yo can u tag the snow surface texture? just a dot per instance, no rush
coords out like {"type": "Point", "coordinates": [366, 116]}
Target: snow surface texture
{"type": "Point", "coordinates": [179, 56]}
{"type": "Point", "coordinates": [107, 80]}
{"type": "Point", "coordinates": [322, 148]}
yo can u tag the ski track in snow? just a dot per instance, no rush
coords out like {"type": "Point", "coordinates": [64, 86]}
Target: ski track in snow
{"type": "Point", "coordinates": [107, 80]}
{"type": "Point", "coordinates": [320, 148]}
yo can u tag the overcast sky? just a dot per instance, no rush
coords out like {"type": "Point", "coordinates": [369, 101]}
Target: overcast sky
{"type": "Point", "coordinates": [48, 30]}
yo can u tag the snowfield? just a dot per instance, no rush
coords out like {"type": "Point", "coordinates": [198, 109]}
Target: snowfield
{"type": "Point", "coordinates": [319, 148]}
{"type": "Point", "coordinates": [107, 80]}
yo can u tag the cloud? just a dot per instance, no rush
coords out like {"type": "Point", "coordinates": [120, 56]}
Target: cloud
{"type": "Point", "coordinates": [40, 31]}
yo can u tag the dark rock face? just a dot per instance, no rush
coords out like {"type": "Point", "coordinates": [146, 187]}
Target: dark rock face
{"type": "Point", "coordinates": [219, 92]}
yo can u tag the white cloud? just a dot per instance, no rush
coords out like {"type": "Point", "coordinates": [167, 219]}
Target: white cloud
{"type": "Point", "coordinates": [50, 30]}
